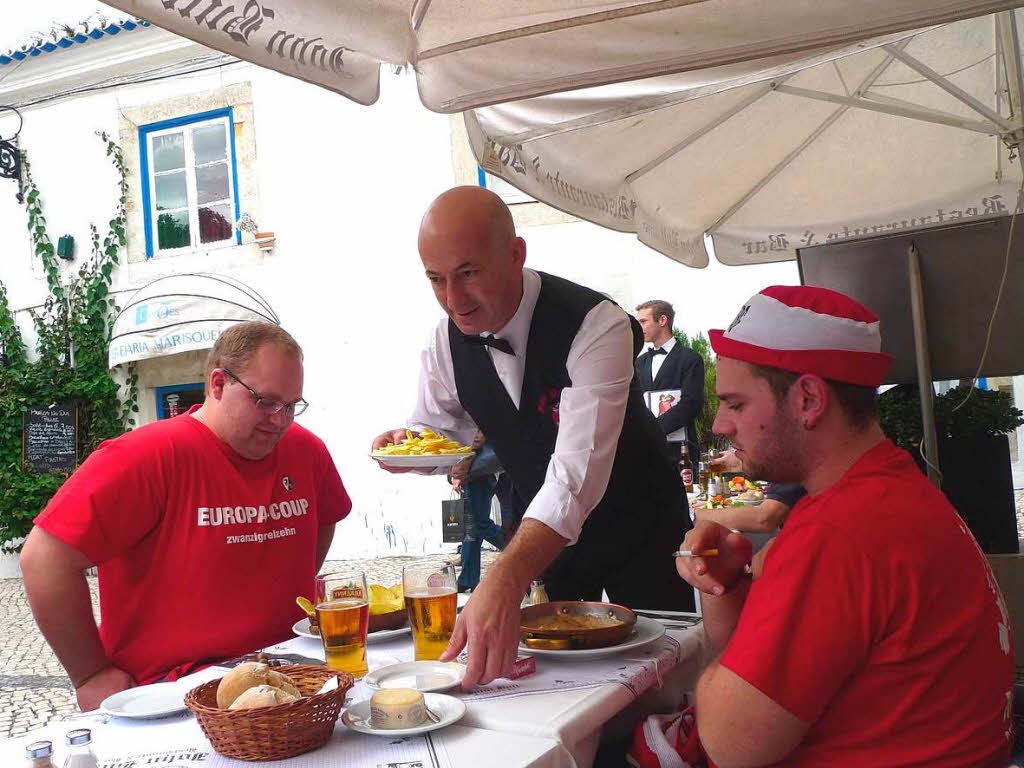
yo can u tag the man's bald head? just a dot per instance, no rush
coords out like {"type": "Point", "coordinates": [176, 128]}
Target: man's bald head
{"type": "Point", "coordinates": [469, 213]}
{"type": "Point", "coordinates": [473, 258]}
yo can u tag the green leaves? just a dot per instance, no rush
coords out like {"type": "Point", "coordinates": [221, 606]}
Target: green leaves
{"type": "Point", "coordinates": [702, 347]}
{"type": "Point", "coordinates": [73, 324]}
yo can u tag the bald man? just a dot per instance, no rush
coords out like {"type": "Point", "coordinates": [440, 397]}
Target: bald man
{"type": "Point", "coordinates": [544, 367]}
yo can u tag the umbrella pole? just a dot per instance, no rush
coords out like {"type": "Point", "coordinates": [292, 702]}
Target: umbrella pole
{"type": "Point", "coordinates": [924, 365]}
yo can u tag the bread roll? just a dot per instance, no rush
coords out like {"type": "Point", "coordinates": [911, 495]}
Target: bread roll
{"type": "Point", "coordinates": [262, 696]}
{"type": "Point", "coordinates": [249, 675]}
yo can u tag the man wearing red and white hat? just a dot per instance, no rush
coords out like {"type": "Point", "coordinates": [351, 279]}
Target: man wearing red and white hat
{"type": "Point", "coordinates": [872, 632]}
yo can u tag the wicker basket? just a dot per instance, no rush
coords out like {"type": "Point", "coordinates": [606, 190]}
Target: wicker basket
{"type": "Point", "coordinates": [273, 733]}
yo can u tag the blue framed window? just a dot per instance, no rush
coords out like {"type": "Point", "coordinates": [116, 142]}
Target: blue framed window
{"type": "Point", "coordinates": [189, 183]}
{"type": "Point", "coordinates": [502, 188]}
{"type": "Point", "coordinates": [177, 399]}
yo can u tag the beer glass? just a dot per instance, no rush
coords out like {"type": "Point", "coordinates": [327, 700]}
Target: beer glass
{"type": "Point", "coordinates": [343, 610]}
{"type": "Point", "coordinates": [430, 597]}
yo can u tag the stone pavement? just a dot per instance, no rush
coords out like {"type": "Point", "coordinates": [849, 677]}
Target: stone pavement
{"type": "Point", "coordinates": [33, 687]}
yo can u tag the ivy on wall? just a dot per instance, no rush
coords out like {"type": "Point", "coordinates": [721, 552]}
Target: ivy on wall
{"type": "Point", "coordinates": [73, 330]}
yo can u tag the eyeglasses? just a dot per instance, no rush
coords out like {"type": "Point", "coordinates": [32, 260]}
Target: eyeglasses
{"type": "Point", "coordinates": [269, 405]}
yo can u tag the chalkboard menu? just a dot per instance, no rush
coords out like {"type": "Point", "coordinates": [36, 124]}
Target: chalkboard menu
{"type": "Point", "coordinates": [49, 438]}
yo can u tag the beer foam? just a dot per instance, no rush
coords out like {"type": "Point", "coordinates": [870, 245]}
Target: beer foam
{"type": "Point", "coordinates": [430, 592]}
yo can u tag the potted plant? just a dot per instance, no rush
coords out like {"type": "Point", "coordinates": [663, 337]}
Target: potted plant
{"type": "Point", "coordinates": [974, 454]}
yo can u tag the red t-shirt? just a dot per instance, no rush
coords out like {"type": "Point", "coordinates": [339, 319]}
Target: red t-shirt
{"type": "Point", "coordinates": [877, 620]}
{"type": "Point", "coordinates": [201, 553]}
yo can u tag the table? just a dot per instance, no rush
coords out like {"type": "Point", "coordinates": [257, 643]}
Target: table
{"type": "Point", "coordinates": [556, 729]}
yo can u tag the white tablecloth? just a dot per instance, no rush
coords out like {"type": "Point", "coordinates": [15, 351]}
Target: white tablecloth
{"type": "Point", "coordinates": [557, 729]}
{"type": "Point", "coordinates": [573, 718]}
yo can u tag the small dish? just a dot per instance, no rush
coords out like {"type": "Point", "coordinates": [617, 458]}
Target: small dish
{"type": "Point", "coordinates": [448, 710]}
{"type": "Point", "coordinates": [145, 701]}
{"type": "Point", "coordinates": [423, 676]}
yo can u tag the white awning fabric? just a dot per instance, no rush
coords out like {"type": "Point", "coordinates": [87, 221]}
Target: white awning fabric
{"type": "Point", "coordinates": [895, 133]}
{"type": "Point", "coordinates": [768, 125]}
{"type": "Point", "coordinates": [181, 313]}
{"type": "Point", "coordinates": [468, 53]}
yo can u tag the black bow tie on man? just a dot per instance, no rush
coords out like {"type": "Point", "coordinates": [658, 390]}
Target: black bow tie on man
{"type": "Point", "coordinates": [501, 345]}
{"type": "Point", "coordinates": [659, 351]}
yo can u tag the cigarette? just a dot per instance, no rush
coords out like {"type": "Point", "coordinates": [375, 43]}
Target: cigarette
{"type": "Point", "coordinates": [691, 553]}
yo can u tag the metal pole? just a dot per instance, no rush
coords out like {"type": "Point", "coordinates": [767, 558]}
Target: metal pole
{"type": "Point", "coordinates": [924, 364]}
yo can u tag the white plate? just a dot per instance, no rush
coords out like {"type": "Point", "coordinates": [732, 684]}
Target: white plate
{"type": "Point", "coordinates": [646, 631]}
{"type": "Point", "coordinates": [387, 634]}
{"type": "Point", "coordinates": [156, 700]}
{"type": "Point", "coordinates": [425, 676]}
{"type": "Point", "coordinates": [421, 461]}
{"type": "Point", "coordinates": [736, 503]}
{"type": "Point", "coordinates": [447, 708]}
{"type": "Point", "coordinates": [301, 629]}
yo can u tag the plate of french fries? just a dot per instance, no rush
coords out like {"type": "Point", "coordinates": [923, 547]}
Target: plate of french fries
{"type": "Point", "coordinates": [427, 449]}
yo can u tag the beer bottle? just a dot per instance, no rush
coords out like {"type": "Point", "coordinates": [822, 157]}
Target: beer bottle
{"type": "Point", "coordinates": [686, 468]}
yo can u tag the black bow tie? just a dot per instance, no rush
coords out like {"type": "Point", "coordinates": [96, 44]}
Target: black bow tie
{"type": "Point", "coordinates": [490, 341]}
{"type": "Point", "coordinates": [659, 351]}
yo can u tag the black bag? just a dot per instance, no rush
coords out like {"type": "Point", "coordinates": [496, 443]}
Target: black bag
{"type": "Point", "coordinates": [453, 520]}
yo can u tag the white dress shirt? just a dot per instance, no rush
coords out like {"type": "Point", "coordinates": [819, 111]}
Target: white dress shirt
{"type": "Point", "coordinates": [658, 360]}
{"type": "Point", "coordinates": [590, 413]}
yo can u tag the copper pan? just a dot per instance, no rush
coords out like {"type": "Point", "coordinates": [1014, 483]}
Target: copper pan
{"type": "Point", "coordinates": [575, 639]}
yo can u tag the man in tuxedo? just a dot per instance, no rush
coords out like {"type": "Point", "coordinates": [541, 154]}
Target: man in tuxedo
{"type": "Point", "coordinates": [669, 365]}
{"type": "Point", "coordinates": [545, 369]}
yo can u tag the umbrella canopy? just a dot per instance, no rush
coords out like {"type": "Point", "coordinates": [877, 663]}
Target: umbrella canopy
{"type": "Point", "coordinates": [899, 132]}
{"type": "Point", "coordinates": [180, 313]}
{"type": "Point", "coordinates": [467, 54]}
{"type": "Point", "coordinates": [770, 126]}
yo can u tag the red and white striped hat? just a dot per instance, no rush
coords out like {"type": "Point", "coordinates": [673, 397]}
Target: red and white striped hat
{"type": "Point", "coordinates": [806, 329]}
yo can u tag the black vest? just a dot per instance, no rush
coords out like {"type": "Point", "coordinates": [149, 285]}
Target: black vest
{"type": "Point", "coordinates": [642, 478]}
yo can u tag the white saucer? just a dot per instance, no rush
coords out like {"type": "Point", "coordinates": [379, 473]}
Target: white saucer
{"type": "Point", "coordinates": [422, 460]}
{"type": "Point", "coordinates": [145, 701]}
{"type": "Point", "coordinates": [425, 676]}
{"type": "Point", "coordinates": [646, 631]}
{"type": "Point", "coordinates": [447, 708]}
{"type": "Point", "coordinates": [301, 629]}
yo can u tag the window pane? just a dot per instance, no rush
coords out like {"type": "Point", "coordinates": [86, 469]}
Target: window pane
{"type": "Point", "coordinates": [170, 191]}
{"type": "Point", "coordinates": [212, 182]}
{"type": "Point", "coordinates": [172, 230]}
{"type": "Point", "coordinates": [214, 223]}
{"type": "Point", "coordinates": [208, 142]}
{"type": "Point", "coordinates": [168, 152]}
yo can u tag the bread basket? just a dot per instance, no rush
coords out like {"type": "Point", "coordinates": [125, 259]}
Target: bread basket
{"type": "Point", "coordinates": [273, 733]}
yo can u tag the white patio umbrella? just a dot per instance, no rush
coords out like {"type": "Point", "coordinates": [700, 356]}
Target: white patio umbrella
{"type": "Point", "coordinates": [893, 133]}
{"type": "Point", "coordinates": [467, 53]}
{"type": "Point", "coordinates": [767, 125]}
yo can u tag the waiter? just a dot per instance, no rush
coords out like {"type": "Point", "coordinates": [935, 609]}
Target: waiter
{"type": "Point", "coordinates": [544, 367]}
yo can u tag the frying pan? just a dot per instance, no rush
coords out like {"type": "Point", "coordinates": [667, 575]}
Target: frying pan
{"type": "Point", "coordinates": [574, 639]}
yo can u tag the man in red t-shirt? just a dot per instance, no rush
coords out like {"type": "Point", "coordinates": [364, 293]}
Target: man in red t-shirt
{"type": "Point", "coordinates": [872, 631]}
{"type": "Point", "coordinates": [204, 527]}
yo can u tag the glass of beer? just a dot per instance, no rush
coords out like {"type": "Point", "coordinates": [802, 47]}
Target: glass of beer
{"type": "Point", "coordinates": [430, 597]}
{"type": "Point", "coordinates": [343, 611]}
